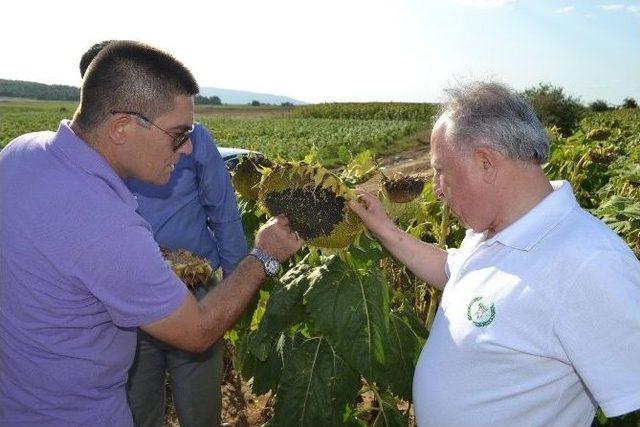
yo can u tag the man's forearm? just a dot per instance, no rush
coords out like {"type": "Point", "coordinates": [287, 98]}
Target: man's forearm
{"type": "Point", "coordinates": [196, 325]}
{"type": "Point", "coordinates": [425, 260]}
{"type": "Point", "coordinates": [225, 303]}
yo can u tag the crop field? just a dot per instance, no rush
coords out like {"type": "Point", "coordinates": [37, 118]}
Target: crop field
{"type": "Point", "coordinates": [279, 132]}
{"type": "Point", "coordinates": [19, 117]}
{"type": "Point", "coordinates": [335, 339]}
{"type": "Point", "coordinates": [341, 327]}
{"type": "Point", "coordinates": [347, 325]}
{"type": "Point", "coordinates": [293, 138]}
{"type": "Point", "coordinates": [602, 162]}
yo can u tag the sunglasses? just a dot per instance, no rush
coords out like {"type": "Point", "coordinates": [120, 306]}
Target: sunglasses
{"type": "Point", "coordinates": [178, 140]}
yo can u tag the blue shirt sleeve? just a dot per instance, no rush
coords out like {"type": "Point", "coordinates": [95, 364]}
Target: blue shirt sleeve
{"type": "Point", "coordinates": [217, 197]}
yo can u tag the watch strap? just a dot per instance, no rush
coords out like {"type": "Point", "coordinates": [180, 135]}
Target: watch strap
{"type": "Point", "coordinates": [265, 259]}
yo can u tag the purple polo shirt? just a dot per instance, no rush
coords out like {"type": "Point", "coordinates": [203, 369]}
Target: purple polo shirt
{"type": "Point", "coordinates": [80, 270]}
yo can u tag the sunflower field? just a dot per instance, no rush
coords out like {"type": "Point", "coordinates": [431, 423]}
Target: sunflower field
{"type": "Point", "coordinates": [336, 337]}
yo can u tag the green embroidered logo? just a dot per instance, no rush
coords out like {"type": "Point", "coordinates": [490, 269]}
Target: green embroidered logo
{"type": "Point", "coordinates": [480, 314]}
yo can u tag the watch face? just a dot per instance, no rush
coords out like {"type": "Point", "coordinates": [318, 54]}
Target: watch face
{"type": "Point", "coordinates": [272, 266]}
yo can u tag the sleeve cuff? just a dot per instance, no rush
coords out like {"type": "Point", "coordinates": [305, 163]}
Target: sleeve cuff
{"type": "Point", "coordinates": [621, 406]}
{"type": "Point", "coordinates": [164, 311]}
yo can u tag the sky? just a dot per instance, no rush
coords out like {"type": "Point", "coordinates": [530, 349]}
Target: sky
{"type": "Point", "coordinates": [344, 50]}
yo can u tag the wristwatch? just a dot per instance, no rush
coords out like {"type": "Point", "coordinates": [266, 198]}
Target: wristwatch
{"type": "Point", "coordinates": [270, 264]}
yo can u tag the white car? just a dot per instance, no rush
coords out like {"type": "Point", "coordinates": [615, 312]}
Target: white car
{"type": "Point", "coordinates": [232, 156]}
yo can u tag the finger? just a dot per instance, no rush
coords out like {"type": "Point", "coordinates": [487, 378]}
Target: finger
{"type": "Point", "coordinates": [368, 198]}
{"type": "Point", "coordinates": [281, 219]}
{"type": "Point", "coordinates": [357, 207]}
{"type": "Point", "coordinates": [360, 194]}
{"type": "Point", "coordinates": [364, 200]}
{"type": "Point", "coordinates": [296, 235]}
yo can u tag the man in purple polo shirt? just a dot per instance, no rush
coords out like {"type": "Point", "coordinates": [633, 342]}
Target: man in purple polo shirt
{"type": "Point", "coordinates": [196, 210]}
{"type": "Point", "coordinates": [80, 269]}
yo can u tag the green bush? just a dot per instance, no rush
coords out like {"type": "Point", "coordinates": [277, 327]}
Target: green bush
{"type": "Point", "coordinates": [629, 103]}
{"type": "Point", "coordinates": [599, 105]}
{"type": "Point", "coordinates": [207, 100]}
{"type": "Point", "coordinates": [554, 107]}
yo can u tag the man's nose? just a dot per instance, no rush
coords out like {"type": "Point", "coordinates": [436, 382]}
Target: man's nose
{"type": "Point", "coordinates": [186, 148]}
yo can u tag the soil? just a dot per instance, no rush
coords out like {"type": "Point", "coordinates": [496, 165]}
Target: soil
{"type": "Point", "coordinates": [409, 162]}
{"type": "Point", "coordinates": [414, 161]}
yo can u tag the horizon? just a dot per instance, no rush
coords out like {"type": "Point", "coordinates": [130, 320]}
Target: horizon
{"type": "Point", "coordinates": [208, 88]}
{"type": "Point", "coordinates": [357, 51]}
{"type": "Point", "coordinates": [301, 102]}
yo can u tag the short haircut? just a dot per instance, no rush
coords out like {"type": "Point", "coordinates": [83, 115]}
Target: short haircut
{"type": "Point", "coordinates": [131, 76]}
{"type": "Point", "coordinates": [493, 115]}
{"type": "Point", "coordinates": [88, 56]}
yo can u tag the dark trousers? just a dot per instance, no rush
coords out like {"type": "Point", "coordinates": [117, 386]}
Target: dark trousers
{"type": "Point", "coordinates": [195, 380]}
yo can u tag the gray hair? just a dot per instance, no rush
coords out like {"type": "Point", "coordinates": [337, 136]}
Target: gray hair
{"type": "Point", "coordinates": [493, 115]}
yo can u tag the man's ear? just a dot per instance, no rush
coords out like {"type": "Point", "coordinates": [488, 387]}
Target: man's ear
{"type": "Point", "coordinates": [487, 162]}
{"type": "Point", "coordinates": [118, 128]}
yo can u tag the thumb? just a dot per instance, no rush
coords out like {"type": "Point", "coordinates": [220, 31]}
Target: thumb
{"type": "Point", "coordinates": [281, 219]}
{"type": "Point", "coordinates": [357, 207]}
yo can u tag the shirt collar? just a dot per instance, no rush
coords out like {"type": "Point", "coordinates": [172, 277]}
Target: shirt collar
{"type": "Point", "coordinates": [82, 155]}
{"type": "Point", "coordinates": [535, 224]}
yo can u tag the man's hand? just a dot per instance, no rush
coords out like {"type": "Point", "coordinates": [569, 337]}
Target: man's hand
{"type": "Point", "coordinates": [425, 260]}
{"type": "Point", "coordinates": [195, 326]}
{"type": "Point", "coordinates": [276, 238]}
{"type": "Point", "coordinates": [370, 210]}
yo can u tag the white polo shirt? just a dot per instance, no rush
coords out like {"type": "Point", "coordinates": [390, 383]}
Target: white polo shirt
{"type": "Point", "coordinates": [538, 325]}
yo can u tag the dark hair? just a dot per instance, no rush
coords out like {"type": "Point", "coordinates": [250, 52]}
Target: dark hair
{"type": "Point", "coordinates": [492, 114]}
{"type": "Point", "coordinates": [91, 53]}
{"type": "Point", "coordinates": [130, 76]}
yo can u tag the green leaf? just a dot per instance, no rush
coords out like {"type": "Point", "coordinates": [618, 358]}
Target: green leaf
{"type": "Point", "coordinates": [243, 324]}
{"type": "Point", "coordinates": [601, 417]}
{"type": "Point", "coordinates": [366, 252]}
{"type": "Point", "coordinates": [284, 308]}
{"type": "Point", "coordinates": [344, 155]}
{"type": "Point", "coordinates": [388, 414]}
{"type": "Point", "coordinates": [315, 387]}
{"type": "Point", "coordinates": [403, 349]}
{"type": "Point", "coordinates": [360, 169]}
{"type": "Point", "coordinates": [267, 373]}
{"type": "Point", "coordinates": [351, 308]}
{"type": "Point", "coordinates": [251, 217]}
{"type": "Point", "coordinates": [244, 361]}
{"type": "Point", "coordinates": [312, 156]}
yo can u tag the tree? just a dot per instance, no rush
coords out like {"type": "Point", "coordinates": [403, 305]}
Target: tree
{"type": "Point", "coordinates": [554, 107]}
{"type": "Point", "coordinates": [599, 105]}
{"type": "Point", "coordinates": [629, 103]}
{"type": "Point", "coordinates": [208, 100]}
{"type": "Point", "coordinates": [24, 89]}
{"type": "Point", "coordinates": [255, 103]}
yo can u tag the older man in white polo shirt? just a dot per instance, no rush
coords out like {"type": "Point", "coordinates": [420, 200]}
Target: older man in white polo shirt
{"type": "Point", "coordinates": [540, 321]}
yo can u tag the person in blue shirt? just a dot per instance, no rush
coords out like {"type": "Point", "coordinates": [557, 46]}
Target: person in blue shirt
{"type": "Point", "coordinates": [196, 210]}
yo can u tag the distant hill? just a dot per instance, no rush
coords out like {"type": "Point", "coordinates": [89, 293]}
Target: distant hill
{"type": "Point", "coordinates": [33, 90]}
{"type": "Point", "coordinates": [230, 96]}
